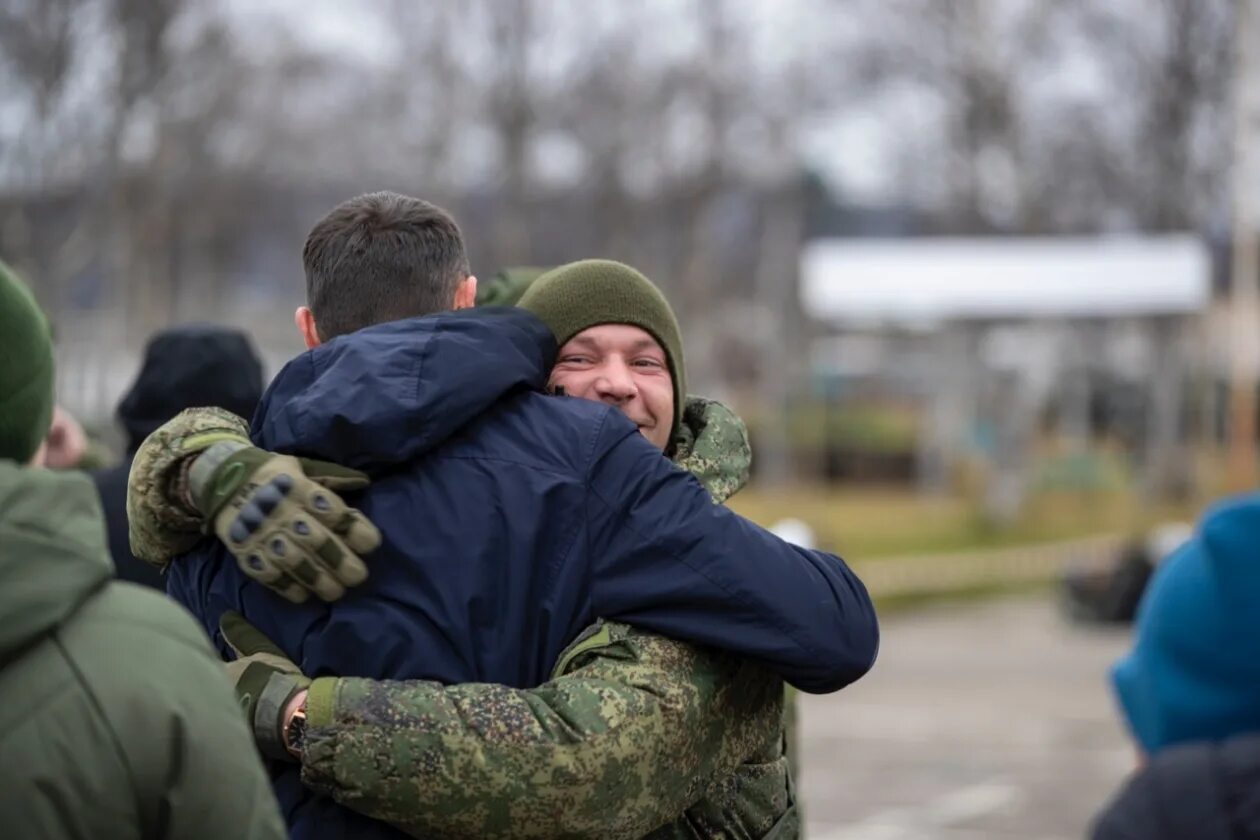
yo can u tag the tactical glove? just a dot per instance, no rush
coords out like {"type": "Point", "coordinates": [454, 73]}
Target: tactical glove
{"type": "Point", "coordinates": [282, 519]}
{"type": "Point", "coordinates": [265, 681]}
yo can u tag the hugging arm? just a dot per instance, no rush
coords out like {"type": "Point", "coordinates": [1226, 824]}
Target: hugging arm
{"type": "Point", "coordinates": [635, 730]}
{"type": "Point", "coordinates": [669, 560]}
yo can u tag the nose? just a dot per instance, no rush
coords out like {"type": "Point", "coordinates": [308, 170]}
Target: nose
{"type": "Point", "coordinates": [615, 383]}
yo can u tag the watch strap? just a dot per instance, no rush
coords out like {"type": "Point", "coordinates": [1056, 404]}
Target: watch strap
{"type": "Point", "coordinates": [269, 715]}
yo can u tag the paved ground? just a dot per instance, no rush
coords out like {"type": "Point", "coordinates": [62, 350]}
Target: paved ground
{"type": "Point", "coordinates": [987, 721]}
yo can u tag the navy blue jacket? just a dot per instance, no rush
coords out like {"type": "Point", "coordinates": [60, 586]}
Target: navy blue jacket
{"type": "Point", "coordinates": [512, 519]}
{"type": "Point", "coordinates": [1196, 791]}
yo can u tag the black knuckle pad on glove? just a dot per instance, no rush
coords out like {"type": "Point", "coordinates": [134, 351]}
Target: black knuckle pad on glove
{"type": "Point", "coordinates": [248, 520]}
{"type": "Point", "coordinates": [268, 497]}
{"type": "Point", "coordinates": [325, 506]}
{"type": "Point", "coordinates": [259, 568]}
{"type": "Point", "coordinates": [279, 546]}
{"type": "Point", "coordinates": [283, 483]}
{"type": "Point", "coordinates": [238, 533]}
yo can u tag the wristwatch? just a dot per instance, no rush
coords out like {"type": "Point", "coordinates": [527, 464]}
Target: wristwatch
{"type": "Point", "coordinates": [295, 732]}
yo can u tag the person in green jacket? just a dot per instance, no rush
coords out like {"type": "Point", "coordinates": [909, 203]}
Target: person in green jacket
{"type": "Point", "coordinates": [702, 730]}
{"type": "Point", "coordinates": [115, 717]}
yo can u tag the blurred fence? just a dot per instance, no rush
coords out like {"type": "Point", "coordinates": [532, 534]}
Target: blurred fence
{"type": "Point", "coordinates": [931, 574]}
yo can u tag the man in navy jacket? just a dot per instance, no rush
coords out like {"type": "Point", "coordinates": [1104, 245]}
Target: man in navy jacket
{"type": "Point", "coordinates": [511, 518]}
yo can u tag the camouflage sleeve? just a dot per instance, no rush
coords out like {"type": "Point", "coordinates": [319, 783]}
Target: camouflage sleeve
{"type": "Point", "coordinates": [713, 446]}
{"type": "Point", "coordinates": [161, 523]}
{"type": "Point", "coordinates": [624, 742]}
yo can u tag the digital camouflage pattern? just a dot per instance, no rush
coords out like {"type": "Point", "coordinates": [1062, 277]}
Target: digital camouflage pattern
{"type": "Point", "coordinates": [638, 729]}
{"type": "Point", "coordinates": [161, 523]}
{"type": "Point", "coordinates": [633, 730]}
{"type": "Point", "coordinates": [712, 444]}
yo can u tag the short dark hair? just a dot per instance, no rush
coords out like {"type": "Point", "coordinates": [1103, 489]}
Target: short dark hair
{"type": "Point", "coordinates": [381, 257]}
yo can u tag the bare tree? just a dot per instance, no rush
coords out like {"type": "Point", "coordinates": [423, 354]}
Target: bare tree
{"type": "Point", "coordinates": [1173, 63]}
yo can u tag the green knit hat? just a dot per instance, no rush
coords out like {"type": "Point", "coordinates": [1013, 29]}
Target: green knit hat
{"type": "Point", "coordinates": [506, 287]}
{"type": "Point", "coordinates": [588, 293]}
{"type": "Point", "coordinates": [26, 371]}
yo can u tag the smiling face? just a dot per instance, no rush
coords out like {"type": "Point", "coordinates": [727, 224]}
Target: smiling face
{"type": "Point", "coordinates": [621, 366]}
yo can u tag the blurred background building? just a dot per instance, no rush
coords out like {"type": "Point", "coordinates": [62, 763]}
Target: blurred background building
{"type": "Point", "coordinates": [977, 349]}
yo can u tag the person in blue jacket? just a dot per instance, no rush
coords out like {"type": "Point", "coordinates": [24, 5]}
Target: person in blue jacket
{"type": "Point", "coordinates": [512, 519]}
{"type": "Point", "coordinates": [1190, 690]}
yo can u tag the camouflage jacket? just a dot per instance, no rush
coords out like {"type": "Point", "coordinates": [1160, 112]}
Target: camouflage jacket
{"type": "Point", "coordinates": [632, 731]}
{"type": "Point", "coordinates": [160, 521]}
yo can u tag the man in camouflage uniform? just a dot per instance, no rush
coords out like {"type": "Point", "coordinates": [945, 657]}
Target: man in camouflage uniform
{"type": "Point", "coordinates": [633, 730]}
{"type": "Point", "coordinates": [505, 289]}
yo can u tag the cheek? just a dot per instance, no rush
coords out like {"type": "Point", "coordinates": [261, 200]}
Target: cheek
{"type": "Point", "coordinates": [574, 383]}
{"type": "Point", "coordinates": [658, 393]}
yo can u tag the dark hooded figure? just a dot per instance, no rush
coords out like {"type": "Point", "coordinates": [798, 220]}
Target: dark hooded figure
{"type": "Point", "coordinates": [1189, 690]}
{"type": "Point", "coordinates": [184, 367]}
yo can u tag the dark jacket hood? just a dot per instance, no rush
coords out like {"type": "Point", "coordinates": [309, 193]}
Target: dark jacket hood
{"type": "Point", "coordinates": [387, 394]}
{"type": "Point", "coordinates": [52, 551]}
{"type": "Point", "coordinates": [188, 367]}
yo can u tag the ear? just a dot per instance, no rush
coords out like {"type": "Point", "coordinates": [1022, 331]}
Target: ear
{"type": "Point", "coordinates": [465, 293]}
{"type": "Point", "coordinates": [305, 320]}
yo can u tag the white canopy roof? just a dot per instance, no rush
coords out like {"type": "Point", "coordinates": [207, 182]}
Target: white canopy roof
{"type": "Point", "coordinates": [919, 280]}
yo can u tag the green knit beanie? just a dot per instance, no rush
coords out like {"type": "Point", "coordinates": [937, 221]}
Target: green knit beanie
{"type": "Point", "coordinates": [506, 287]}
{"type": "Point", "coordinates": [587, 293]}
{"type": "Point", "coordinates": [26, 371]}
